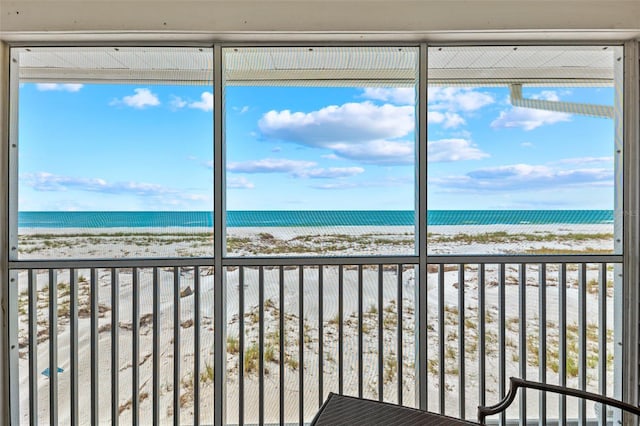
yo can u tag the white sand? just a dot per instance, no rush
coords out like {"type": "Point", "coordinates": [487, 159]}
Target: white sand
{"type": "Point", "coordinates": [302, 241]}
{"type": "Point", "coordinates": [310, 331]}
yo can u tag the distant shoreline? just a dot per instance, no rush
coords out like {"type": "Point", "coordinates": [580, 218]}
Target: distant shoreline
{"type": "Point", "coordinates": [315, 241]}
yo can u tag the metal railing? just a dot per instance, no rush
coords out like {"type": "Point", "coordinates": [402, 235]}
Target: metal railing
{"type": "Point", "coordinates": [133, 341]}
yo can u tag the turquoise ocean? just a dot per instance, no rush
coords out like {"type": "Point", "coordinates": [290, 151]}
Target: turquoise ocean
{"type": "Point", "coordinates": [306, 218]}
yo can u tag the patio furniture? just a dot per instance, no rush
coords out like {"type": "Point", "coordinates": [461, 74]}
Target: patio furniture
{"type": "Point", "coordinates": [347, 410]}
{"type": "Point", "coordinates": [516, 383]}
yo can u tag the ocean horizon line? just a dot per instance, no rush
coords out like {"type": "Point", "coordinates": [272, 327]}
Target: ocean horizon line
{"type": "Point", "coordinates": [305, 218]}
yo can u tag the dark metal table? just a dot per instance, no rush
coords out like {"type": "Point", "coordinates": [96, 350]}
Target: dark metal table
{"type": "Point", "coordinates": [347, 410]}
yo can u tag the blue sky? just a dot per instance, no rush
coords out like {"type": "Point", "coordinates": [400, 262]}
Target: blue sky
{"type": "Point", "coordinates": [141, 147]}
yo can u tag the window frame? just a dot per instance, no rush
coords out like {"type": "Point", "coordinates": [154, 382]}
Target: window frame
{"type": "Point", "coordinates": [627, 293]}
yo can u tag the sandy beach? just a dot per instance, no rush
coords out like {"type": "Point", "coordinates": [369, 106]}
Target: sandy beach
{"type": "Point", "coordinates": [62, 243]}
{"type": "Point", "coordinates": [122, 242]}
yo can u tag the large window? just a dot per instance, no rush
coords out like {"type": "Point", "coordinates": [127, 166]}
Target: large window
{"type": "Point", "coordinates": [114, 149]}
{"type": "Point", "coordinates": [324, 202]}
{"type": "Point", "coordinates": [320, 149]}
{"type": "Point", "coordinates": [525, 158]}
{"type": "Point", "coordinates": [524, 144]}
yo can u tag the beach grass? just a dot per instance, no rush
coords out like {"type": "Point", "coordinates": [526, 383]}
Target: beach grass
{"type": "Point", "coordinates": [299, 242]}
{"type": "Point", "coordinates": [274, 243]}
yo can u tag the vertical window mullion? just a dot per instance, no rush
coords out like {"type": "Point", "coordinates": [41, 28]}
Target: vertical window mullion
{"type": "Point", "coordinates": [219, 293]}
{"type": "Point", "coordinates": [421, 231]}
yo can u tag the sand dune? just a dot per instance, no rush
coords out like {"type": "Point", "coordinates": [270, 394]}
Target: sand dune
{"type": "Point", "coordinates": [369, 240]}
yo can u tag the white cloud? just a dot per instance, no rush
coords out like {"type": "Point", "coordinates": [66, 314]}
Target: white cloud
{"type": "Point", "coordinates": [366, 133]}
{"type": "Point", "coordinates": [448, 119]}
{"type": "Point", "coordinates": [359, 131]}
{"type": "Point", "coordinates": [351, 122]}
{"type": "Point", "coordinates": [447, 150]}
{"type": "Point", "coordinates": [386, 183]}
{"type": "Point", "coordinates": [69, 87]}
{"type": "Point", "coordinates": [525, 177]}
{"type": "Point", "coordinates": [457, 99]}
{"type": "Point", "coordinates": [398, 95]}
{"type": "Point", "coordinates": [177, 102]}
{"type": "Point", "coordinates": [270, 165]}
{"type": "Point", "coordinates": [239, 182]}
{"type": "Point", "coordinates": [329, 173]}
{"type": "Point", "coordinates": [527, 144]}
{"type": "Point", "coordinates": [142, 98]}
{"type": "Point", "coordinates": [337, 185]}
{"type": "Point", "coordinates": [529, 118]}
{"type": "Point", "coordinates": [584, 160]}
{"type": "Point", "coordinates": [44, 181]}
{"type": "Point", "coordinates": [330, 156]}
{"type": "Point", "coordinates": [377, 152]}
{"type": "Point", "coordinates": [241, 110]}
{"type": "Point", "coordinates": [546, 95]}
{"type": "Point", "coordinates": [205, 103]}
{"type": "Point", "coordinates": [296, 168]}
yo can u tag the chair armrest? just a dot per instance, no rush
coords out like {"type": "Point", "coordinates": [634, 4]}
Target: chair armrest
{"type": "Point", "coordinates": [515, 383]}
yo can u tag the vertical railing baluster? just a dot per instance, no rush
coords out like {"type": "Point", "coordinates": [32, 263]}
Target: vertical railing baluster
{"type": "Point", "coordinates": [522, 286]}
{"type": "Point", "coordinates": [542, 339]}
{"type": "Point", "coordinates": [320, 336]}
{"type": "Point", "coordinates": [582, 339]}
{"type": "Point", "coordinates": [360, 338]}
{"type": "Point", "coordinates": [399, 338]}
{"type": "Point", "coordinates": [562, 333]}
{"type": "Point", "coordinates": [261, 345]}
{"type": "Point", "coordinates": [115, 347]}
{"type": "Point", "coordinates": [602, 339]}
{"type": "Point", "coordinates": [135, 347]}
{"type": "Point", "coordinates": [301, 337]}
{"type": "Point", "coordinates": [73, 344]}
{"type": "Point", "coordinates": [95, 419]}
{"type": "Point", "coordinates": [502, 358]}
{"type": "Point", "coordinates": [156, 347]}
{"type": "Point", "coordinates": [53, 346]}
{"type": "Point", "coordinates": [176, 346]}
{"type": "Point", "coordinates": [340, 329]}
{"type": "Point", "coordinates": [523, 270]}
{"type": "Point", "coordinates": [33, 347]}
{"type": "Point", "coordinates": [482, 387]}
{"type": "Point", "coordinates": [461, 343]}
{"type": "Point", "coordinates": [441, 337]}
{"type": "Point", "coordinates": [281, 342]}
{"type": "Point", "coordinates": [196, 345]}
{"type": "Point", "coordinates": [241, 345]}
{"type": "Point", "coordinates": [380, 333]}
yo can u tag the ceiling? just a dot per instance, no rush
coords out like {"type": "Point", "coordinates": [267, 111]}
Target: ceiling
{"type": "Point", "coordinates": [331, 66]}
{"type": "Point", "coordinates": [319, 20]}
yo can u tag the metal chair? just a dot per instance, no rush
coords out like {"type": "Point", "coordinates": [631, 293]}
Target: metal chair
{"type": "Point", "coordinates": [516, 383]}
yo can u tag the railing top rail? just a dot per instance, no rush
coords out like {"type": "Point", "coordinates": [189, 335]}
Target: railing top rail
{"type": "Point", "coordinates": [311, 261]}
{"type": "Point", "coordinates": [525, 258]}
